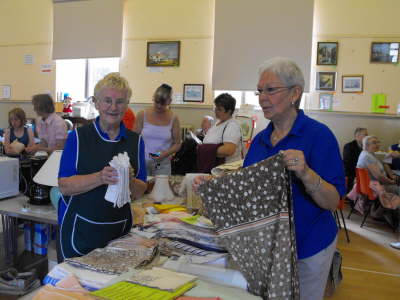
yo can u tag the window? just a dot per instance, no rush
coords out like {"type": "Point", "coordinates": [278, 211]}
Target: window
{"type": "Point", "coordinates": [77, 77]}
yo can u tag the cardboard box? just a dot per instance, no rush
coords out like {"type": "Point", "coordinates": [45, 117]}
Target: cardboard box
{"type": "Point", "coordinates": [41, 238]}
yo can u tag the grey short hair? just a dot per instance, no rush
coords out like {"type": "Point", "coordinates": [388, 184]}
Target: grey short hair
{"type": "Point", "coordinates": [286, 70]}
{"type": "Point", "coordinates": [209, 118]}
{"type": "Point", "coordinates": [359, 129]}
{"type": "Point", "coordinates": [365, 141]}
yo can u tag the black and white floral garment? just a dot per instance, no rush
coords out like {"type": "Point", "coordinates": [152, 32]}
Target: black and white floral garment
{"type": "Point", "coordinates": [252, 209]}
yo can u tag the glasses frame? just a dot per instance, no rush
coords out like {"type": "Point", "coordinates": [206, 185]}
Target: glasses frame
{"type": "Point", "coordinates": [272, 90]}
{"type": "Point", "coordinates": [118, 102]}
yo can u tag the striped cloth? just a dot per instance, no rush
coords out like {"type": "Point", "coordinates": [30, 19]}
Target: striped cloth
{"type": "Point", "coordinates": [252, 211]}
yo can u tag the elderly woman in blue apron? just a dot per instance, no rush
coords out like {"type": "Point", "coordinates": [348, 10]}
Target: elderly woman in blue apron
{"type": "Point", "coordinates": [87, 221]}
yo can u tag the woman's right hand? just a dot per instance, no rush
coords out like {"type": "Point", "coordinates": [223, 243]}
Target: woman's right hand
{"type": "Point", "coordinates": [109, 175]}
{"type": "Point", "coordinates": [199, 180]}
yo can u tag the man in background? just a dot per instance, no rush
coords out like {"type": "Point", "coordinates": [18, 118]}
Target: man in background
{"type": "Point", "coordinates": [351, 152]}
{"type": "Point", "coordinates": [206, 123]}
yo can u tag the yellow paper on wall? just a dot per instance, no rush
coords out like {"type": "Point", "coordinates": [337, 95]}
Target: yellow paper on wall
{"type": "Point", "coordinates": [376, 101]}
{"type": "Point", "coordinates": [130, 291]}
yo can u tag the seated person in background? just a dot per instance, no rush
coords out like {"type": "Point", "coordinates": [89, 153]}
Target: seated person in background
{"type": "Point", "coordinates": [87, 220]}
{"type": "Point", "coordinates": [17, 137]}
{"type": "Point", "coordinates": [226, 131]}
{"type": "Point", "coordinates": [376, 169]}
{"type": "Point", "coordinates": [129, 119]}
{"type": "Point", "coordinates": [50, 127]}
{"type": "Point", "coordinates": [206, 123]}
{"type": "Point", "coordinates": [378, 172]}
{"type": "Point", "coordinates": [351, 152]}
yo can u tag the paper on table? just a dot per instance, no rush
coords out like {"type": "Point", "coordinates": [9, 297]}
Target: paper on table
{"type": "Point", "coordinates": [195, 138]}
{"type": "Point", "coordinates": [162, 279]}
{"type": "Point", "coordinates": [209, 273]}
{"type": "Point", "coordinates": [126, 290]}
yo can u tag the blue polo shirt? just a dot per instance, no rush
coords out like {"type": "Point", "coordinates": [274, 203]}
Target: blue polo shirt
{"type": "Point", "coordinates": [315, 227]}
{"type": "Point", "coordinates": [68, 158]}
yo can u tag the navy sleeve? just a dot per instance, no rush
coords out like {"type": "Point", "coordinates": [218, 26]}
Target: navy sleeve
{"type": "Point", "coordinates": [68, 157]}
{"type": "Point", "coordinates": [142, 174]}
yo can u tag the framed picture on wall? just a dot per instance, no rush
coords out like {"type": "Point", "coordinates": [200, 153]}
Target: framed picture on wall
{"type": "Point", "coordinates": [326, 81]}
{"type": "Point", "coordinates": [352, 83]}
{"type": "Point", "coordinates": [325, 101]}
{"type": "Point", "coordinates": [163, 54]}
{"type": "Point", "coordinates": [384, 52]}
{"type": "Point", "coordinates": [193, 92]}
{"type": "Point", "coordinates": [327, 53]}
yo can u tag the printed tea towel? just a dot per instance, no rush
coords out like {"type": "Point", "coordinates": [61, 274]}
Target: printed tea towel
{"type": "Point", "coordinates": [252, 210]}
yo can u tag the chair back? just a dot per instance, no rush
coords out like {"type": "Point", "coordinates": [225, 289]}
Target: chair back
{"type": "Point", "coordinates": [247, 125]}
{"type": "Point", "coordinates": [363, 181]}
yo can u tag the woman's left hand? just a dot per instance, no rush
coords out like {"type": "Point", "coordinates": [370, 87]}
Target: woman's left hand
{"type": "Point", "coordinates": [295, 161]}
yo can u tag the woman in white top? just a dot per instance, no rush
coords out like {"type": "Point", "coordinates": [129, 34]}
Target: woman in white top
{"type": "Point", "coordinates": [226, 130]}
{"type": "Point", "coordinates": [376, 169]}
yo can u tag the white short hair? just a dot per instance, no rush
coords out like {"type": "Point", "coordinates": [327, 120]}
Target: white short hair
{"type": "Point", "coordinates": [209, 118]}
{"type": "Point", "coordinates": [365, 141]}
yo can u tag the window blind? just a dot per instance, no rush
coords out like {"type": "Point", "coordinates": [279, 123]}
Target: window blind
{"type": "Point", "coordinates": [87, 29]}
{"type": "Point", "coordinates": [248, 32]}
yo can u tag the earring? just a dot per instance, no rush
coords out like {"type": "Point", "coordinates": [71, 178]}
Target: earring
{"type": "Point", "coordinates": [292, 103]}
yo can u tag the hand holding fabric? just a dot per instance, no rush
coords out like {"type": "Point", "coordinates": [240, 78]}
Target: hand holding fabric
{"type": "Point", "coordinates": [295, 161]}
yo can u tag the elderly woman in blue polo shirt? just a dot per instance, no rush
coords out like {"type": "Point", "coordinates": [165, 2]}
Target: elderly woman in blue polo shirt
{"type": "Point", "coordinates": [87, 220]}
{"type": "Point", "coordinates": [311, 152]}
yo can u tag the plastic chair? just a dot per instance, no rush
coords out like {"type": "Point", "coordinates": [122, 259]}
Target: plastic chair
{"type": "Point", "coordinates": [363, 180]}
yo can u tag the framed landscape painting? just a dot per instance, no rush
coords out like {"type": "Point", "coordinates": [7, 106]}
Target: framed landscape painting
{"type": "Point", "coordinates": [193, 92]}
{"type": "Point", "coordinates": [327, 53]}
{"type": "Point", "coordinates": [163, 54]}
{"type": "Point", "coordinates": [352, 83]}
{"type": "Point", "coordinates": [385, 52]}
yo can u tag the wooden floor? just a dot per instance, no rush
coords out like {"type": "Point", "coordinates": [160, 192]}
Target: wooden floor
{"type": "Point", "coordinates": [371, 268]}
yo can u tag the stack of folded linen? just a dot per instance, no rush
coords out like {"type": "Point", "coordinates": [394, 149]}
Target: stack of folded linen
{"type": "Point", "coordinates": [119, 193]}
{"type": "Point", "coordinates": [203, 238]}
{"type": "Point", "coordinates": [118, 257]}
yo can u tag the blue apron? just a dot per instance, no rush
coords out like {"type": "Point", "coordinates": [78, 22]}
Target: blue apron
{"type": "Point", "coordinates": [89, 221]}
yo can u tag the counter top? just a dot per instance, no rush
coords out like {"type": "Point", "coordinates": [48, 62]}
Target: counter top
{"type": "Point", "coordinates": [19, 208]}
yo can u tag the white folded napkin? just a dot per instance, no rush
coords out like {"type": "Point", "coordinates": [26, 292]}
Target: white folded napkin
{"type": "Point", "coordinates": [119, 193]}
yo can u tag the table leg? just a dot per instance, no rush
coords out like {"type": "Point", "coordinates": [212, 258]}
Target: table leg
{"type": "Point", "coordinates": [10, 227]}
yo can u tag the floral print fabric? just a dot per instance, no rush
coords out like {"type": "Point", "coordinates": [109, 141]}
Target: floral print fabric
{"type": "Point", "coordinates": [252, 211]}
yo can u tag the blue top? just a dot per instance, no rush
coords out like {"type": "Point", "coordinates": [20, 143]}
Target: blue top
{"type": "Point", "coordinates": [24, 139]}
{"type": "Point", "coordinates": [395, 161]}
{"type": "Point", "coordinates": [68, 159]}
{"type": "Point", "coordinates": [315, 227]}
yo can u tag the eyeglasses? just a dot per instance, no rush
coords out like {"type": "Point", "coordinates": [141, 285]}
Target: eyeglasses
{"type": "Point", "coordinates": [118, 102]}
{"type": "Point", "coordinates": [272, 90]}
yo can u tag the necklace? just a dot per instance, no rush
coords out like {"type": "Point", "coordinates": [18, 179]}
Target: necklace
{"type": "Point", "coordinates": [276, 137]}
